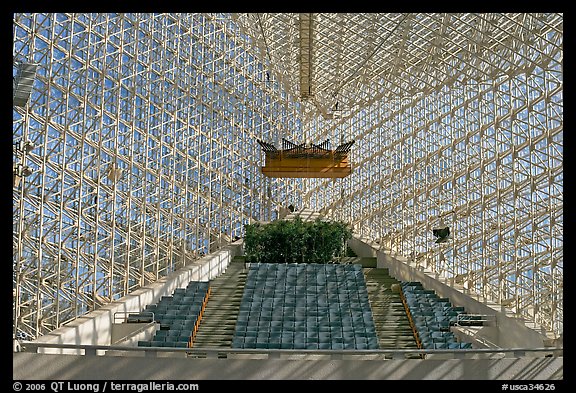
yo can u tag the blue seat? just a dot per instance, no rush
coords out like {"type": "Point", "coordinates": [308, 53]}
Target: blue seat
{"type": "Point", "coordinates": [348, 345]}
{"type": "Point", "coordinates": [249, 342]}
{"type": "Point", "coordinates": [361, 345]}
{"type": "Point", "coordinates": [427, 344]}
{"type": "Point", "coordinates": [372, 343]}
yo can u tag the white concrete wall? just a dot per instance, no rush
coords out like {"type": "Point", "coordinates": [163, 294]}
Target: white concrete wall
{"type": "Point", "coordinates": [96, 326]}
{"type": "Point", "coordinates": [119, 368]}
{"type": "Point", "coordinates": [509, 332]}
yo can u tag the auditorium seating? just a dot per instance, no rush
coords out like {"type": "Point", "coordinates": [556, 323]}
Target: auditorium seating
{"type": "Point", "coordinates": [178, 316]}
{"type": "Point", "coordinates": [305, 306]}
{"type": "Point", "coordinates": [432, 317]}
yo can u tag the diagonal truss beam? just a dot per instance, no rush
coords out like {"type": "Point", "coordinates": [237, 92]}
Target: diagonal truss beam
{"type": "Point", "coordinates": [306, 46]}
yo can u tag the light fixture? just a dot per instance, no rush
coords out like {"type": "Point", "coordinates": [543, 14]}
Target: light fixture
{"type": "Point", "coordinates": [23, 81]}
{"type": "Point", "coordinates": [28, 146]}
{"type": "Point", "coordinates": [18, 172]}
{"type": "Point", "coordinates": [442, 234]}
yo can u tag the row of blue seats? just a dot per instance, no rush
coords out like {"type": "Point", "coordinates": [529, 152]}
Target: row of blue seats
{"type": "Point", "coordinates": [328, 295]}
{"type": "Point", "coordinates": [450, 345]}
{"type": "Point", "coordinates": [296, 338]}
{"type": "Point", "coordinates": [178, 315]}
{"type": "Point", "coordinates": [169, 301]}
{"type": "Point", "coordinates": [307, 276]}
{"type": "Point", "coordinates": [342, 309]}
{"type": "Point", "coordinates": [175, 332]}
{"type": "Point", "coordinates": [307, 324]}
{"type": "Point", "coordinates": [432, 317]}
{"type": "Point", "coordinates": [341, 314]}
{"type": "Point", "coordinates": [161, 317]}
{"type": "Point", "coordinates": [311, 286]}
{"type": "Point", "coordinates": [337, 335]}
{"type": "Point", "coordinates": [175, 315]}
{"type": "Point", "coordinates": [290, 303]}
{"type": "Point", "coordinates": [441, 340]}
{"type": "Point", "coordinates": [335, 272]}
{"type": "Point", "coordinates": [176, 308]}
{"type": "Point", "coordinates": [305, 312]}
{"type": "Point", "coordinates": [306, 281]}
{"type": "Point", "coordinates": [323, 312]}
{"type": "Point", "coordinates": [191, 290]}
{"type": "Point", "coordinates": [184, 338]}
{"type": "Point", "coordinates": [319, 296]}
{"type": "Point", "coordinates": [194, 290]}
{"type": "Point", "coordinates": [302, 308]}
{"type": "Point", "coordinates": [321, 293]}
{"type": "Point", "coordinates": [140, 317]}
{"type": "Point", "coordinates": [349, 333]}
{"type": "Point", "coordinates": [311, 302]}
{"type": "Point", "coordinates": [179, 320]}
{"type": "Point", "coordinates": [339, 304]}
{"type": "Point", "coordinates": [304, 286]}
{"type": "Point", "coordinates": [305, 341]}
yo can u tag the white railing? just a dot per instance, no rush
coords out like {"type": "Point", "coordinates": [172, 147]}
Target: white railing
{"type": "Point", "coordinates": [377, 354]}
{"type": "Point", "coordinates": [471, 319]}
{"type": "Point", "coordinates": [124, 315]}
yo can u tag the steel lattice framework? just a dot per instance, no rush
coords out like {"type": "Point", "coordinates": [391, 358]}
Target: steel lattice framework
{"type": "Point", "coordinates": [144, 130]}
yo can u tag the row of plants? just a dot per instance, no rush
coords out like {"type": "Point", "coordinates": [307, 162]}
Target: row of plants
{"type": "Point", "coordinates": [296, 241]}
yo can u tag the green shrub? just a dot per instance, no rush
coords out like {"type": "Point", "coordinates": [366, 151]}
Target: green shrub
{"type": "Point", "coordinates": [296, 241]}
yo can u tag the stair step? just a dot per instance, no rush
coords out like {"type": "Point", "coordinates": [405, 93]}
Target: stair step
{"type": "Point", "coordinates": [221, 303]}
{"type": "Point", "coordinates": [215, 321]}
{"type": "Point", "coordinates": [388, 313]}
{"type": "Point", "coordinates": [215, 330]}
{"type": "Point", "coordinates": [206, 319]}
{"type": "Point", "coordinates": [218, 322]}
{"type": "Point", "coordinates": [391, 340]}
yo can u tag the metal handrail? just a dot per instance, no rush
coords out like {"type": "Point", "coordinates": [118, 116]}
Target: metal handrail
{"type": "Point", "coordinates": [466, 317]}
{"type": "Point", "coordinates": [127, 313]}
{"type": "Point", "coordinates": [89, 349]}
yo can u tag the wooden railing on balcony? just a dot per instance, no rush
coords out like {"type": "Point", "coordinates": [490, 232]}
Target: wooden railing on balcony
{"type": "Point", "coordinates": [306, 161]}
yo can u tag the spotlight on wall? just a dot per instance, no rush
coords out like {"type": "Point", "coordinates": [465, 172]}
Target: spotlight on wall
{"type": "Point", "coordinates": [18, 172]}
{"type": "Point", "coordinates": [28, 146]}
{"type": "Point", "coordinates": [442, 234]}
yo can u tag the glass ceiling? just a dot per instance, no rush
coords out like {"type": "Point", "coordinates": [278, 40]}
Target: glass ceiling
{"type": "Point", "coordinates": [143, 151]}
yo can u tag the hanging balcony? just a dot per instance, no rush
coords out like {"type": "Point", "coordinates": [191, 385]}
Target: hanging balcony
{"type": "Point", "coordinates": [306, 160]}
